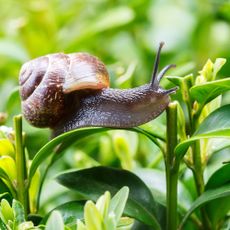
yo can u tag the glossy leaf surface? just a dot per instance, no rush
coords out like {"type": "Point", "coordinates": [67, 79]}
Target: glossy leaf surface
{"type": "Point", "coordinates": [206, 197]}
{"type": "Point", "coordinates": [217, 124]}
{"type": "Point", "coordinates": [205, 92]}
{"type": "Point", "coordinates": [95, 181]}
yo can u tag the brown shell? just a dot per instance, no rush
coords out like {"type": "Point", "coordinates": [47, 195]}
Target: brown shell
{"type": "Point", "coordinates": [85, 72]}
{"type": "Point", "coordinates": [44, 82]}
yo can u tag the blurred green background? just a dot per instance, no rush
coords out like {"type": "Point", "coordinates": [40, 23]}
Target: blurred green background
{"type": "Point", "coordinates": [123, 34]}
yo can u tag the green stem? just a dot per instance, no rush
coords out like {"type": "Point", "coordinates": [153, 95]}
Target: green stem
{"type": "Point", "coordinates": [198, 168]}
{"type": "Point", "coordinates": [198, 173]}
{"type": "Point", "coordinates": [172, 167]}
{"type": "Point", "coordinates": [22, 192]}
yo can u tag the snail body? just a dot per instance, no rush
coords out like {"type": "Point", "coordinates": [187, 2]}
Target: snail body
{"type": "Point", "coordinates": [66, 92]}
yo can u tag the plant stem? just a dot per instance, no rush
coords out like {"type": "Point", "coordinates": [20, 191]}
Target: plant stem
{"type": "Point", "coordinates": [198, 168]}
{"type": "Point", "coordinates": [22, 192]}
{"type": "Point", "coordinates": [172, 167]}
{"type": "Point", "coordinates": [198, 173]}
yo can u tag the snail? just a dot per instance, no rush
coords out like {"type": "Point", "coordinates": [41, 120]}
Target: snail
{"type": "Point", "coordinates": [69, 91]}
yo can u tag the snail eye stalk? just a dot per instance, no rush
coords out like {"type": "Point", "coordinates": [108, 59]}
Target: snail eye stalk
{"type": "Point", "coordinates": [163, 71]}
{"type": "Point", "coordinates": [156, 65]}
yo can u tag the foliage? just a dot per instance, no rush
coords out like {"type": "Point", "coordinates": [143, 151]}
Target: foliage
{"type": "Point", "coordinates": [176, 167]}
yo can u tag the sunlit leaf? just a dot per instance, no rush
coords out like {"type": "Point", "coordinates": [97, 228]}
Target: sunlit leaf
{"type": "Point", "coordinates": [33, 191]}
{"type": "Point", "coordinates": [7, 164]}
{"type": "Point", "coordinates": [6, 148]}
{"type": "Point", "coordinates": [92, 217]}
{"type": "Point", "coordinates": [205, 92]}
{"type": "Point", "coordinates": [55, 222]}
{"type": "Point", "coordinates": [80, 225]}
{"type": "Point", "coordinates": [206, 74]}
{"type": "Point", "coordinates": [217, 124]}
{"type": "Point", "coordinates": [102, 204]}
{"type": "Point", "coordinates": [6, 211]}
{"type": "Point", "coordinates": [118, 202]}
{"type": "Point", "coordinates": [218, 64]}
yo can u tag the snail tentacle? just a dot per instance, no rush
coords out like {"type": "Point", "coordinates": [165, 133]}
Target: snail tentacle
{"type": "Point", "coordinates": [156, 65]}
{"type": "Point", "coordinates": [163, 71]}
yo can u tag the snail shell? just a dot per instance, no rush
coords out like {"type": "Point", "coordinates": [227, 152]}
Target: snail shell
{"type": "Point", "coordinates": [45, 81]}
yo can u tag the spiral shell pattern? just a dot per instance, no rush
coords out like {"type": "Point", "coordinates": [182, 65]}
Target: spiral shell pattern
{"type": "Point", "coordinates": [46, 80]}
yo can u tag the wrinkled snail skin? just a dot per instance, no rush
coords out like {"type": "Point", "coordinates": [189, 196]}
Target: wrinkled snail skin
{"type": "Point", "coordinates": [115, 108]}
{"type": "Point", "coordinates": [69, 91]}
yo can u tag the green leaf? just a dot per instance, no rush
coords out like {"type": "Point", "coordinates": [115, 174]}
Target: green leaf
{"type": "Point", "coordinates": [5, 194]}
{"type": "Point", "coordinates": [218, 64]}
{"type": "Point", "coordinates": [80, 225]}
{"type": "Point", "coordinates": [219, 177]}
{"type": "Point", "coordinates": [92, 216]}
{"type": "Point", "coordinates": [33, 191]}
{"type": "Point", "coordinates": [70, 211]}
{"type": "Point", "coordinates": [206, 197]}
{"type": "Point", "coordinates": [103, 204]}
{"type": "Point", "coordinates": [223, 207]}
{"type": "Point", "coordinates": [19, 213]}
{"type": "Point", "coordinates": [6, 211]}
{"type": "Point", "coordinates": [217, 124]}
{"type": "Point", "coordinates": [206, 92]}
{"type": "Point", "coordinates": [125, 223]}
{"type": "Point", "coordinates": [6, 148]}
{"type": "Point", "coordinates": [66, 139]}
{"type": "Point", "coordinates": [55, 222]}
{"type": "Point", "coordinates": [176, 80]}
{"type": "Point", "coordinates": [7, 164]}
{"type": "Point", "coordinates": [28, 225]}
{"type": "Point", "coordinates": [118, 202]}
{"type": "Point", "coordinates": [5, 176]}
{"type": "Point", "coordinates": [110, 222]}
{"type": "Point", "coordinates": [122, 148]}
{"type": "Point", "coordinates": [206, 74]}
{"type": "Point", "coordinates": [7, 182]}
{"type": "Point", "coordinates": [2, 225]}
{"type": "Point", "coordinates": [95, 181]}
{"type": "Point", "coordinates": [4, 188]}
{"type": "Point", "coordinates": [210, 70]}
